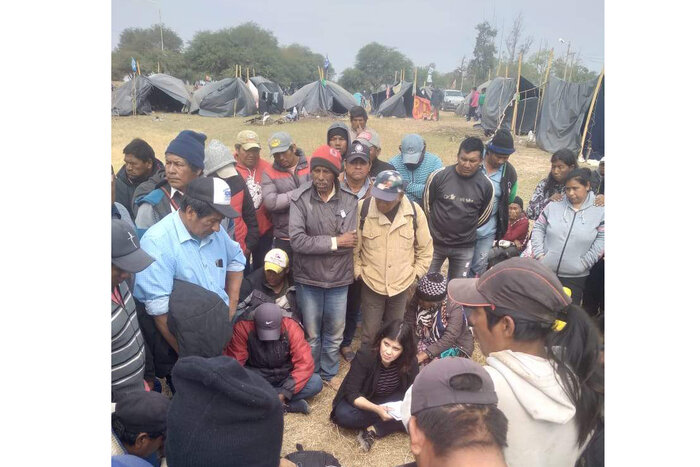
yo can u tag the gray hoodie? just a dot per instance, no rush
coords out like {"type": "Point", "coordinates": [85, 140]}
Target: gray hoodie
{"type": "Point", "coordinates": [570, 242]}
{"type": "Point", "coordinates": [345, 128]}
{"type": "Point", "coordinates": [542, 430]}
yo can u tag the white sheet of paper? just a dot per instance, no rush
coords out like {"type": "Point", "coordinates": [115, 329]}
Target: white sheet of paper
{"type": "Point", "coordinates": [394, 409]}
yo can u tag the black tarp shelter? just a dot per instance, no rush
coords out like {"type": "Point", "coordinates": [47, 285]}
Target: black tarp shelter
{"type": "Point", "coordinates": [563, 114]}
{"type": "Point", "coordinates": [596, 127]}
{"type": "Point", "coordinates": [159, 92]}
{"type": "Point", "coordinates": [224, 98]}
{"type": "Point", "coordinates": [317, 98]}
{"type": "Point", "coordinates": [270, 95]}
{"type": "Point", "coordinates": [398, 105]}
{"type": "Point", "coordinates": [497, 110]}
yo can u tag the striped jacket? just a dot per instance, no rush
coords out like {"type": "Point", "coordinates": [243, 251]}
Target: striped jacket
{"type": "Point", "coordinates": [128, 353]}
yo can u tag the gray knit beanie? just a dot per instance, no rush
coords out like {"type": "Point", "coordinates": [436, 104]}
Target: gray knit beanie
{"type": "Point", "coordinates": [217, 156]}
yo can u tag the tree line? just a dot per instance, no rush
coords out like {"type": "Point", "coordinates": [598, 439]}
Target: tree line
{"type": "Point", "coordinates": [218, 53]}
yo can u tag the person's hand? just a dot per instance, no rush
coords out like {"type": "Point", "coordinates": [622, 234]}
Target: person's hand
{"type": "Point", "coordinates": [518, 244]}
{"type": "Point", "coordinates": [383, 413]}
{"type": "Point", "coordinates": [600, 200]}
{"type": "Point", "coordinates": [347, 240]}
{"type": "Point", "coordinates": [282, 399]}
{"type": "Point", "coordinates": [556, 197]}
{"type": "Point", "coordinates": [421, 357]}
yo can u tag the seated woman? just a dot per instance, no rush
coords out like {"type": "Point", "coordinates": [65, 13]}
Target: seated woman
{"type": "Point", "coordinates": [552, 188]}
{"type": "Point", "coordinates": [513, 241]}
{"type": "Point", "coordinates": [378, 374]}
{"type": "Point", "coordinates": [438, 323]}
{"type": "Point", "coordinates": [569, 237]}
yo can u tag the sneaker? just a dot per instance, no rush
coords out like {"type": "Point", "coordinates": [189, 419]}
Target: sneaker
{"type": "Point", "coordinates": [366, 439]}
{"type": "Point", "coordinates": [298, 406]}
{"type": "Point", "coordinates": [347, 353]}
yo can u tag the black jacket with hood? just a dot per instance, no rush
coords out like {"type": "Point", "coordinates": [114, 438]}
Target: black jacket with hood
{"type": "Point", "coordinates": [125, 187]}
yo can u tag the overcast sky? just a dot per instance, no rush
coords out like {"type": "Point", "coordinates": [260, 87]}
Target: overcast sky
{"type": "Point", "coordinates": [439, 31]}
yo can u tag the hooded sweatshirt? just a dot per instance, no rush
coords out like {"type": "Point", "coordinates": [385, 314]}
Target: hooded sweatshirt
{"type": "Point", "coordinates": [570, 242]}
{"type": "Point", "coordinates": [344, 127]}
{"type": "Point", "coordinates": [542, 430]}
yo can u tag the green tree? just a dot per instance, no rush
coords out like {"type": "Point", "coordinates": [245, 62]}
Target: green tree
{"type": "Point", "coordinates": [379, 62]}
{"type": "Point", "coordinates": [145, 46]}
{"type": "Point", "coordinates": [299, 66]}
{"type": "Point", "coordinates": [484, 53]}
{"type": "Point", "coordinates": [354, 80]}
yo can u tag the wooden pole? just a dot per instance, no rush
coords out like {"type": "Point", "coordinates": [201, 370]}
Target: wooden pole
{"type": "Point", "coordinates": [158, 66]}
{"type": "Point", "coordinates": [498, 70]}
{"type": "Point", "coordinates": [247, 74]}
{"type": "Point", "coordinates": [590, 111]}
{"type": "Point", "coordinates": [138, 67]}
{"type": "Point", "coordinates": [544, 88]}
{"type": "Point", "coordinates": [396, 73]}
{"type": "Point", "coordinates": [517, 96]}
{"type": "Point", "coordinates": [506, 75]}
{"type": "Point", "coordinates": [415, 82]}
{"type": "Point", "coordinates": [489, 74]}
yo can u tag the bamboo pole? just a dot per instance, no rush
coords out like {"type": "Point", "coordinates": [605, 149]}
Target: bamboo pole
{"type": "Point", "coordinates": [517, 95]}
{"type": "Point", "coordinates": [138, 67]}
{"type": "Point", "coordinates": [540, 101]}
{"type": "Point", "coordinates": [489, 74]}
{"type": "Point", "coordinates": [396, 73]}
{"type": "Point", "coordinates": [247, 74]}
{"type": "Point", "coordinates": [158, 66]}
{"type": "Point", "coordinates": [506, 70]}
{"type": "Point", "coordinates": [415, 82]}
{"type": "Point", "coordinates": [498, 70]}
{"type": "Point", "coordinates": [590, 110]}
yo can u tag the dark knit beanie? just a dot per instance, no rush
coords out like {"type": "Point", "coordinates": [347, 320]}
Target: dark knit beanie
{"type": "Point", "coordinates": [222, 415]}
{"type": "Point", "coordinates": [190, 146]}
{"type": "Point", "coordinates": [328, 157]}
{"type": "Point", "coordinates": [519, 201]}
{"type": "Point", "coordinates": [502, 143]}
{"type": "Point", "coordinates": [432, 287]}
{"type": "Point", "coordinates": [338, 131]}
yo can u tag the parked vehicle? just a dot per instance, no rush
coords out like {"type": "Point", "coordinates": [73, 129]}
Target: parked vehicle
{"type": "Point", "coordinates": [452, 99]}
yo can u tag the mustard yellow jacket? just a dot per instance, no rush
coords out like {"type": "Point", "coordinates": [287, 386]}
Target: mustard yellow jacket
{"type": "Point", "coordinates": [386, 255]}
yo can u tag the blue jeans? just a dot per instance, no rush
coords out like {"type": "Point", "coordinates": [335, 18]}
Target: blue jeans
{"type": "Point", "coordinates": [324, 320]}
{"type": "Point", "coordinates": [481, 256]}
{"type": "Point", "coordinates": [312, 387]}
{"type": "Point", "coordinates": [352, 315]}
{"type": "Point", "coordinates": [459, 260]}
{"type": "Point", "coordinates": [349, 416]}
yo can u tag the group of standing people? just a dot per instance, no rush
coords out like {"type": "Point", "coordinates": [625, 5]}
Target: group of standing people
{"type": "Point", "coordinates": [273, 266]}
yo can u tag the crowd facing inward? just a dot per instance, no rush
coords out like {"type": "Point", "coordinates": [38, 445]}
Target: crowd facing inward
{"type": "Point", "coordinates": [240, 284]}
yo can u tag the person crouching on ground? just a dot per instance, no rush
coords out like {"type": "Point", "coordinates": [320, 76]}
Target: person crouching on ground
{"type": "Point", "coordinates": [378, 374]}
{"type": "Point", "coordinates": [512, 243]}
{"type": "Point", "coordinates": [438, 323]}
{"type": "Point", "coordinates": [272, 345]}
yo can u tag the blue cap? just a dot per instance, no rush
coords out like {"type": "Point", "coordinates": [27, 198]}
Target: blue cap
{"type": "Point", "coordinates": [412, 146]}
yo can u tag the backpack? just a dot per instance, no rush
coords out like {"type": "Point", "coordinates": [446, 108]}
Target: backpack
{"type": "Point", "coordinates": [312, 458]}
{"type": "Point", "coordinates": [365, 209]}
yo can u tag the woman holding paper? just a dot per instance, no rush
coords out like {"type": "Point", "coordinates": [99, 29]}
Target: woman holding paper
{"type": "Point", "coordinates": [379, 375]}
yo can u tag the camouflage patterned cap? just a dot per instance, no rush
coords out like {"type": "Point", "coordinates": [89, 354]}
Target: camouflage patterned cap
{"type": "Point", "coordinates": [388, 185]}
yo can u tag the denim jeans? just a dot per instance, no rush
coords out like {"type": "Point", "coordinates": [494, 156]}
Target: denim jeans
{"type": "Point", "coordinates": [324, 319]}
{"type": "Point", "coordinates": [312, 387]}
{"type": "Point", "coordinates": [459, 260]}
{"type": "Point", "coordinates": [481, 255]}
{"type": "Point", "coordinates": [352, 315]}
{"type": "Point", "coordinates": [349, 416]}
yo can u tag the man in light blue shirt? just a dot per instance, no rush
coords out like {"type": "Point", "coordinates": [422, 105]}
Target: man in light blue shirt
{"type": "Point", "coordinates": [190, 245]}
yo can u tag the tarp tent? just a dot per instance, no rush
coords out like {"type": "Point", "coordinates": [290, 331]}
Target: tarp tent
{"type": "Point", "coordinates": [224, 98]}
{"type": "Point", "coordinates": [270, 95]}
{"type": "Point", "coordinates": [498, 101]}
{"type": "Point", "coordinates": [563, 114]}
{"type": "Point", "coordinates": [383, 93]}
{"type": "Point", "coordinates": [158, 92]}
{"type": "Point", "coordinates": [398, 105]}
{"type": "Point", "coordinates": [596, 127]}
{"type": "Point", "coordinates": [462, 108]}
{"type": "Point", "coordinates": [319, 99]}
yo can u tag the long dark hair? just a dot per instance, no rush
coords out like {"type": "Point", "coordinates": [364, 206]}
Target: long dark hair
{"type": "Point", "coordinates": [400, 332]}
{"type": "Point", "coordinates": [575, 350]}
{"type": "Point", "coordinates": [563, 155]}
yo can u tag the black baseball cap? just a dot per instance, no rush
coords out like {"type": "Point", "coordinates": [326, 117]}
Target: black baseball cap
{"type": "Point", "coordinates": [213, 191]}
{"type": "Point", "coordinates": [521, 285]}
{"type": "Point", "coordinates": [268, 321]}
{"type": "Point", "coordinates": [126, 248]}
{"type": "Point", "coordinates": [358, 150]}
{"type": "Point", "coordinates": [143, 411]}
{"type": "Point", "coordinates": [438, 384]}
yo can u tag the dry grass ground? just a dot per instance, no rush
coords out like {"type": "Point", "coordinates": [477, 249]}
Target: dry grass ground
{"type": "Point", "coordinates": [315, 431]}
